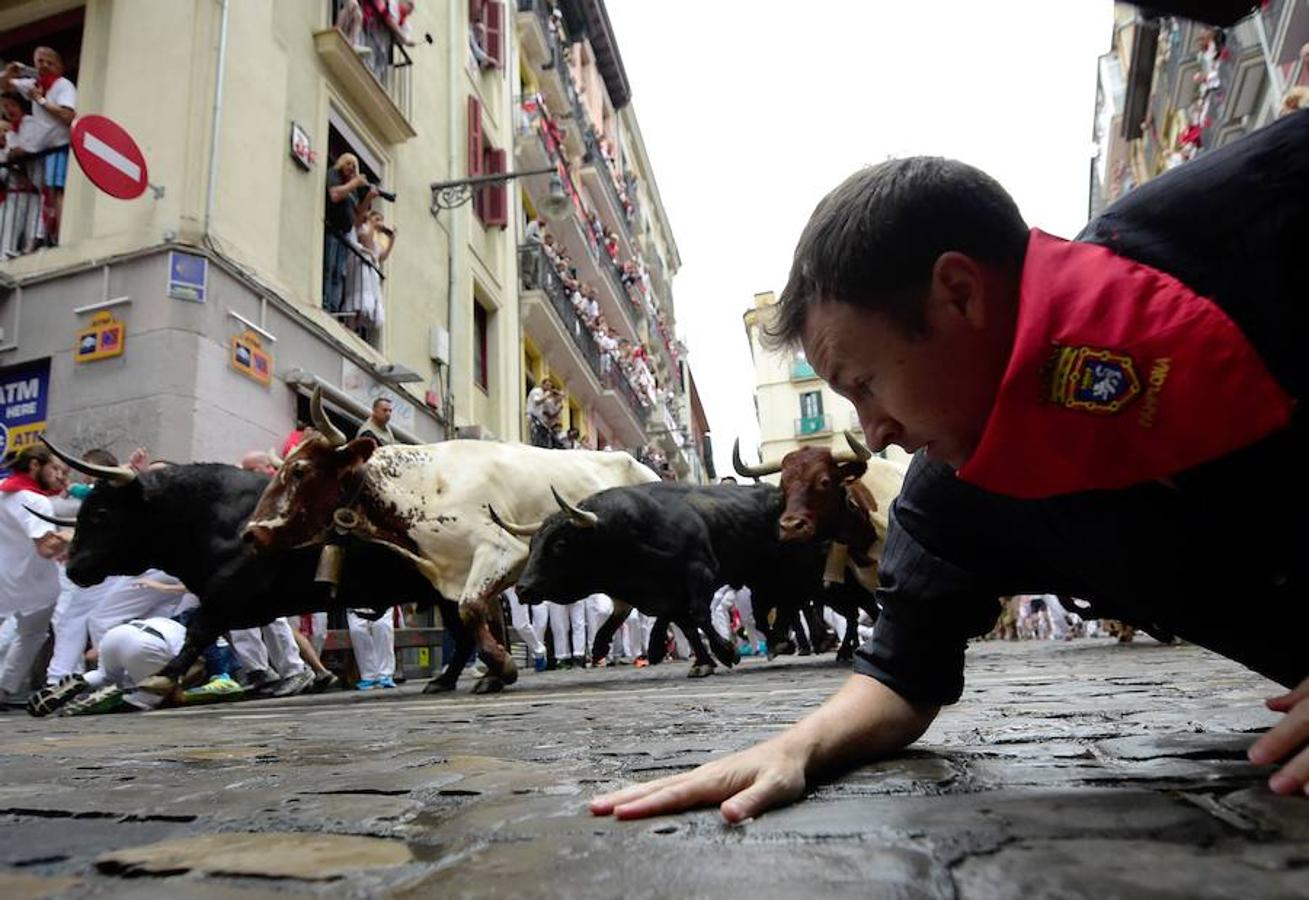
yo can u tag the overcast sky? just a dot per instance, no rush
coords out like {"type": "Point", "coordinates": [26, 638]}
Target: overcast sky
{"type": "Point", "coordinates": [751, 111]}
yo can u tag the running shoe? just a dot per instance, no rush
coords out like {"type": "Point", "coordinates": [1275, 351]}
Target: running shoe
{"type": "Point", "coordinates": [387, 682]}
{"type": "Point", "coordinates": [366, 684]}
{"type": "Point", "coordinates": [218, 689]}
{"type": "Point", "coordinates": [107, 699]}
{"type": "Point", "coordinates": [52, 697]}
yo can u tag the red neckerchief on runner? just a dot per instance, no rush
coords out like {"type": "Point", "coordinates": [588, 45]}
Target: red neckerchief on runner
{"type": "Point", "coordinates": [1120, 374]}
{"type": "Point", "coordinates": [47, 81]}
{"type": "Point", "coordinates": [20, 481]}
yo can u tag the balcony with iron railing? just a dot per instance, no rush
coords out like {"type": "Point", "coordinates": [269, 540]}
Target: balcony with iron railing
{"type": "Point", "coordinates": [537, 273]}
{"type": "Point", "coordinates": [810, 426]}
{"type": "Point", "coordinates": [28, 218]}
{"type": "Point", "coordinates": [598, 176]}
{"type": "Point", "coordinates": [536, 145]}
{"type": "Point", "coordinates": [352, 286]}
{"type": "Point", "coordinates": [545, 47]}
{"type": "Point", "coordinates": [374, 74]}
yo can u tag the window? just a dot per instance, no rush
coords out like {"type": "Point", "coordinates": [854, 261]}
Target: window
{"type": "Point", "coordinates": [490, 202]}
{"type": "Point", "coordinates": [811, 404]}
{"type": "Point", "coordinates": [480, 328]}
{"type": "Point", "coordinates": [486, 23]}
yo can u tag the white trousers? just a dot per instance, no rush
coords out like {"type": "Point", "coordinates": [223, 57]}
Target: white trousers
{"type": "Point", "coordinates": [374, 646]}
{"type": "Point", "coordinates": [597, 608]}
{"type": "Point", "coordinates": [521, 619]}
{"type": "Point", "coordinates": [564, 619]}
{"type": "Point", "coordinates": [727, 599]}
{"type": "Point", "coordinates": [129, 654]}
{"type": "Point", "coordinates": [72, 630]}
{"type": "Point", "coordinates": [30, 633]}
{"type": "Point", "coordinates": [271, 648]}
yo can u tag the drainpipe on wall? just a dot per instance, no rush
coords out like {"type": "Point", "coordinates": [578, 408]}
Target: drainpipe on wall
{"type": "Point", "coordinates": [217, 115]}
{"type": "Point", "coordinates": [452, 119]}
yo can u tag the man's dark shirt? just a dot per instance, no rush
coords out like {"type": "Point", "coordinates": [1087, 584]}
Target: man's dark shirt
{"type": "Point", "coordinates": [1218, 555]}
{"type": "Point", "coordinates": [340, 214]}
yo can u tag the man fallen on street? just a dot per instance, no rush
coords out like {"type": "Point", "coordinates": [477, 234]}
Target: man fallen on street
{"type": "Point", "coordinates": [1098, 419]}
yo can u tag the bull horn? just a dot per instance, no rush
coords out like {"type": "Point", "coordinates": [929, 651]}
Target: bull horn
{"type": "Point", "coordinates": [513, 527]}
{"type": "Point", "coordinates": [321, 422]}
{"type": "Point", "coordinates": [276, 461]}
{"type": "Point", "coordinates": [115, 474]}
{"type": "Point", "coordinates": [53, 520]}
{"type": "Point", "coordinates": [581, 518]}
{"type": "Point", "coordinates": [859, 452]}
{"type": "Point", "coordinates": [745, 471]}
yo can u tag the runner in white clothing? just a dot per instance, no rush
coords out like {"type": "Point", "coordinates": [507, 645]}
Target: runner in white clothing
{"type": "Point", "coordinates": [29, 573]}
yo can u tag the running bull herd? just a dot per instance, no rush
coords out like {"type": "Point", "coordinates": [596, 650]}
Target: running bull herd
{"type": "Point", "coordinates": [346, 524]}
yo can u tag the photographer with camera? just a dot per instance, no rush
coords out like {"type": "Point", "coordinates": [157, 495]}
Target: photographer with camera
{"type": "Point", "coordinates": [349, 198]}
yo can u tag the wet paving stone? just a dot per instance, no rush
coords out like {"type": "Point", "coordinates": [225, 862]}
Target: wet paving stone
{"type": "Point", "coordinates": [1085, 769]}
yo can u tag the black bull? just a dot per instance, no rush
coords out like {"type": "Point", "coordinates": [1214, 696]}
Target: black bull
{"type": "Point", "coordinates": [664, 548]}
{"type": "Point", "coordinates": [187, 520]}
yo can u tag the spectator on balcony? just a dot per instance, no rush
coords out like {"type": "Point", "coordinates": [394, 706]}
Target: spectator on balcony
{"type": "Point", "coordinates": [54, 104]}
{"type": "Point", "coordinates": [346, 209]}
{"type": "Point", "coordinates": [16, 126]}
{"type": "Point", "coordinates": [611, 244]}
{"type": "Point", "coordinates": [535, 230]}
{"type": "Point", "coordinates": [373, 242]}
{"type": "Point", "coordinates": [545, 404]}
{"type": "Point", "coordinates": [350, 22]}
{"type": "Point", "coordinates": [397, 19]}
{"type": "Point", "coordinates": [477, 44]}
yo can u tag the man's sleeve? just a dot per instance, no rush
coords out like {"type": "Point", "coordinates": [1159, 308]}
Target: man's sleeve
{"type": "Point", "coordinates": [35, 528]}
{"type": "Point", "coordinates": [63, 93]}
{"type": "Point", "coordinates": [930, 608]}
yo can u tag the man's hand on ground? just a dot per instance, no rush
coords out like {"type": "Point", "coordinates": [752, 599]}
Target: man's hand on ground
{"type": "Point", "coordinates": [745, 784]}
{"type": "Point", "coordinates": [1286, 738]}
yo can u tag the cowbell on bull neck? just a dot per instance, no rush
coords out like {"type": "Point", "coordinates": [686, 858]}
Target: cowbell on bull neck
{"type": "Point", "coordinates": [1119, 374]}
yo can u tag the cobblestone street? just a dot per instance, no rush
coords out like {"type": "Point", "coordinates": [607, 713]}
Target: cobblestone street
{"type": "Point", "coordinates": [1085, 769]}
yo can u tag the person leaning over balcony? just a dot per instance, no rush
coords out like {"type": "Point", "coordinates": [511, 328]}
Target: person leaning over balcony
{"type": "Point", "coordinates": [346, 209]}
{"type": "Point", "coordinates": [373, 240]}
{"type": "Point", "coordinates": [54, 103]}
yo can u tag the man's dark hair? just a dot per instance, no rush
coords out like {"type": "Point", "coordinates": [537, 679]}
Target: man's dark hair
{"type": "Point", "coordinates": [382, 400]}
{"type": "Point", "coordinates": [32, 453]}
{"type": "Point", "coordinates": [872, 242]}
{"type": "Point", "coordinates": [99, 456]}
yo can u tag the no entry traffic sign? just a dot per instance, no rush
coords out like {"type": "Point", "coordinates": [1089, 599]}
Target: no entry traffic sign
{"type": "Point", "coordinates": [109, 157]}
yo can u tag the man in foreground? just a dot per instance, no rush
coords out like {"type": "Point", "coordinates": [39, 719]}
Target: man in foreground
{"type": "Point", "coordinates": [1097, 419]}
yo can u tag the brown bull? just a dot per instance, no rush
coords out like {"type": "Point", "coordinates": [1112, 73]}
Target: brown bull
{"type": "Point", "coordinates": [823, 497]}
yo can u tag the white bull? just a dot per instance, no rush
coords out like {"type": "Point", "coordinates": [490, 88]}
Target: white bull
{"type": "Point", "coordinates": [430, 503]}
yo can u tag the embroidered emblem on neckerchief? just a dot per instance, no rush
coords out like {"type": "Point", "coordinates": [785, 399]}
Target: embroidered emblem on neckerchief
{"type": "Point", "coordinates": [1091, 379]}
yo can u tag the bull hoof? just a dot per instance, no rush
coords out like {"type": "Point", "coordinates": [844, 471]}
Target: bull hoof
{"type": "Point", "coordinates": [701, 671]}
{"type": "Point", "coordinates": [488, 684]}
{"type": "Point", "coordinates": [510, 673]}
{"type": "Point", "coordinates": [437, 686]}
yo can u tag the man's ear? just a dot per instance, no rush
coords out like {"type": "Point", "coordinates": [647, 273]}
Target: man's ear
{"type": "Point", "coordinates": [959, 284]}
{"type": "Point", "coordinates": [356, 452]}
